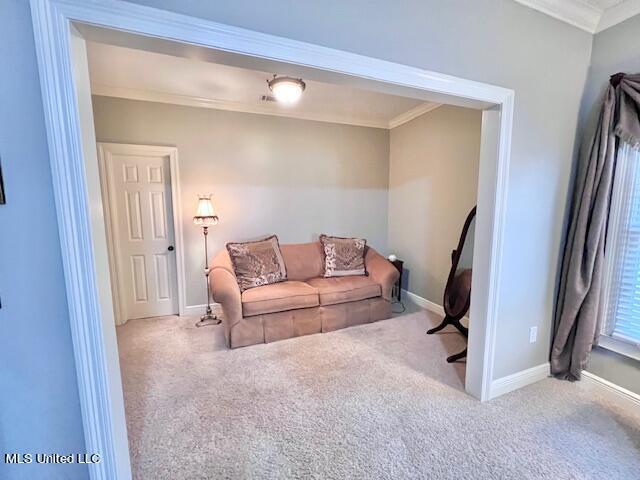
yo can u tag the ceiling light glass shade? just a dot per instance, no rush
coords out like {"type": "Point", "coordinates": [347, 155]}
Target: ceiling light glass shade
{"type": "Point", "coordinates": [287, 89]}
{"type": "Point", "coordinates": [205, 214]}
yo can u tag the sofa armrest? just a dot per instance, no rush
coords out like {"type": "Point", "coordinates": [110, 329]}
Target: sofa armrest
{"type": "Point", "coordinates": [381, 271]}
{"type": "Point", "coordinates": [225, 290]}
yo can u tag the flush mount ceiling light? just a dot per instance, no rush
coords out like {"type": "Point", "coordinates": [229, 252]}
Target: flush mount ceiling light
{"type": "Point", "coordinates": [286, 89]}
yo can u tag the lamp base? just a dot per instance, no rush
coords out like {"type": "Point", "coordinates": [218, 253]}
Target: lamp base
{"type": "Point", "coordinates": [208, 319]}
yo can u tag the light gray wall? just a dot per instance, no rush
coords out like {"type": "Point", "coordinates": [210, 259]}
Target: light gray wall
{"type": "Point", "coordinates": [39, 404]}
{"type": "Point", "coordinates": [496, 41]}
{"type": "Point", "coordinates": [433, 185]}
{"type": "Point", "coordinates": [616, 49]}
{"type": "Point", "coordinates": [268, 174]}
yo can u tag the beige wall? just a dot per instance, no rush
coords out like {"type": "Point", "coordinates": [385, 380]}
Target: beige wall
{"type": "Point", "coordinates": [432, 187]}
{"type": "Point", "coordinates": [294, 178]}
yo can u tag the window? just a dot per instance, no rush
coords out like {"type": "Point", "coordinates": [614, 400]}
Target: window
{"type": "Point", "coordinates": [621, 306]}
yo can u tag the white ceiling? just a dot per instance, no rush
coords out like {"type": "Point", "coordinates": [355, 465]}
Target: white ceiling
{"type": "Point", "coordinates": [137, 74]}
{"type": "Point", "coordinates": [590, 15]}
{"type": "Point", "coordinates": [604, 4]}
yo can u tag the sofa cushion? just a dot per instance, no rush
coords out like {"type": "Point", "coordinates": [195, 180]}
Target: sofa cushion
{"type": "Point", "coordinates": [345, 289]}
{"type": "Point", "coordinates": [303, 260]}
{"type": "Point", "coordinates": [278, 297]}
{"type": "Point", "coordinates": [257, 263]}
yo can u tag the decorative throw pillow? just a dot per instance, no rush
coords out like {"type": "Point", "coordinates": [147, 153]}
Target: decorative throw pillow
{"type": "Point", "coordinates": [343, 256]}
{"type": "Point", "coordinates": [257, 263]}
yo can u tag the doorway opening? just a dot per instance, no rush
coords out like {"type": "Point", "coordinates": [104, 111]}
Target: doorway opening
{"type": "Point", "coordinates": [63, 63]}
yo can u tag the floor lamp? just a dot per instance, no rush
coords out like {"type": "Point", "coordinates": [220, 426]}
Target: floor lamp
{"type": "Point", "coordinates": [206, 217]}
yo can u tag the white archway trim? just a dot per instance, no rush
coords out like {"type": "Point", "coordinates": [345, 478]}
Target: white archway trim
{"type": "Point", "coordinates": [94, 343]}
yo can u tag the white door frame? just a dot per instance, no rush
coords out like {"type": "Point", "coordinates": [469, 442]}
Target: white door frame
{"type": "Point", "coordinates": [105, 150]}
{"type": "Point", "coordinates": [94, 344]}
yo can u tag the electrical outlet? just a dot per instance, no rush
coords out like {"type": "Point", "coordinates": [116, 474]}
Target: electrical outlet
{"type": "Point", "coordinates": [533, 334]}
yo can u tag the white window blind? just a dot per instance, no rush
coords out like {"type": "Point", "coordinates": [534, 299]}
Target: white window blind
{"type": "Point", "coordinates": [622, 286]}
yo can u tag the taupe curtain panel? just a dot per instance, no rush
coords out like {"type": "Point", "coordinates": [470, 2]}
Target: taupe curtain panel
{"type": "Point", "coordinates": [577, 323]}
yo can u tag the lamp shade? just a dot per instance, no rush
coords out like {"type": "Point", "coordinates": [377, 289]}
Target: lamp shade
{"type": "Point", "coordinates": [205, 214]}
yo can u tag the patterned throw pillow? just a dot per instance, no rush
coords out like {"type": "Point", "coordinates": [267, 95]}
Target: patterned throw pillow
{"type": "Point", "coordinates": [257, 263]}
{"type": "Point", "coordinates": [343, 256]}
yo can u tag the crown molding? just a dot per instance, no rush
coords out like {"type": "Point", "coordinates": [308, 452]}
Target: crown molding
{"type": "Point", "coordinates": [583, 15]}
{"type": "Point", "coordinates": [415, 112]}
{"type": "Point", "coordinates": [266, 109]}
{"type": "Point", "coordinates": [617, 14]}
{"type": "Point", "coordinates": [575, 12]}
{"type": "Point", "coordinates": [217, 104]}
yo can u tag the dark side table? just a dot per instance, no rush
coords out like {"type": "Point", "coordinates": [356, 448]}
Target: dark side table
{"type": "Point", "coordinates": [397, 288]}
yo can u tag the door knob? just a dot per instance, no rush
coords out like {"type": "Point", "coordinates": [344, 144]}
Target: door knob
{"type": "Point", "coordinates": [170, 248]}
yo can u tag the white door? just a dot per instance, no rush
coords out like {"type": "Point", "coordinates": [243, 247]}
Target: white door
{"type": "Point", "coordinates": [138, 187]}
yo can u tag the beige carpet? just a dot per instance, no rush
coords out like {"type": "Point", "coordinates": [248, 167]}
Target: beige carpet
{"type": "Point", "coordinates": [374, 401]}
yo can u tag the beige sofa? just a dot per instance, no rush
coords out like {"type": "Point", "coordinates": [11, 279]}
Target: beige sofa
{"type": "Point", "coordinates": [306, 303]}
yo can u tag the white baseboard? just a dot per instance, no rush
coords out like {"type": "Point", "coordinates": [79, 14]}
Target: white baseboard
{"type": "Point", "coordinates": [424, 303]}
{"type": "Point", "coordinates": [431, 306]}
{"type": "Point", "coordinates": [609, 390]}
{"type": "Point", "coordinates": [502, 385]}
{"type": "Point", "coordinates": [194, 309]}
{"type": "Point", "coordinates": [518, 380]}
{"type": "Point", "coordinates": [199, 309]}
